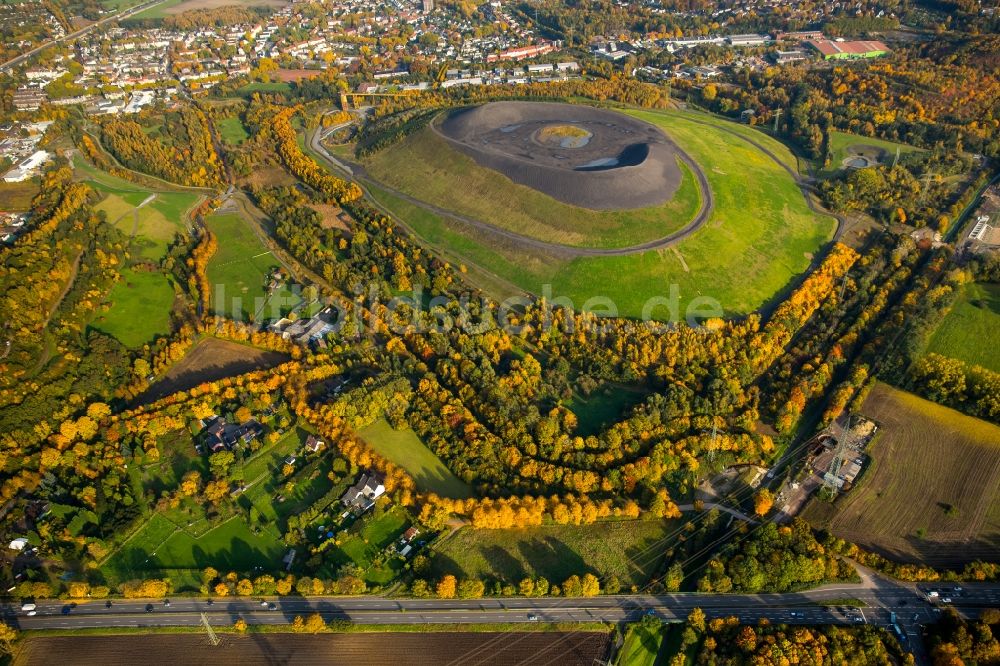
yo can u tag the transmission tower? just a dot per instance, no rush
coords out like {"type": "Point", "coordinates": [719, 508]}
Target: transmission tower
{"type": "Point", "coordinates": [711, 451]}
{"type": "Point", "coordinates": [896, 160]}
{"type": "Point", "coordinates": [842, 439]}
{"type": "Point", "coordinates": [212, 637]}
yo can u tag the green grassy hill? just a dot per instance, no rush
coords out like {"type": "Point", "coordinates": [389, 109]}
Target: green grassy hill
{"type": "Point", "coordinates": [762, 234]}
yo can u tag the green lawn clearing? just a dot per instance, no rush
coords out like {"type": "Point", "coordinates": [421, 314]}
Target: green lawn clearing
{"type": "Point", "coordinates": [405, 449]}
{"type": "Point", "coordinates": [969, 330]}
{"type": "Point", "coordinates": [631, 550]}
{"type": "Point", "coordinates": [232, 131]}
{"type": "Point", "coordinates": [238, 269]}
{"type": "Point", "coordinates": [603, 407]}
{"type": "Point", "coordinates": [140, 308]}
{"type": "Point", "coordinates": [841, 142]}
{"type": "Point", "coordinates": [366, 541]}
{"type": "Point", "coordinates": [642, 644]}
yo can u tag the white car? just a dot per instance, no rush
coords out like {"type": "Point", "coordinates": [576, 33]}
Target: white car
{"type": "Point", "coordinates": [532, 618]}
{"type": "Point", "coordinates": [32, 613]}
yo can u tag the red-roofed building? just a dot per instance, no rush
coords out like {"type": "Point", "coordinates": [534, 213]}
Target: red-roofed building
{"type": "Point", "coordinates": [845, 50]}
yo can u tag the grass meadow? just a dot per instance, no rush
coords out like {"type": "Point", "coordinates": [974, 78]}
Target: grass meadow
{"type": "Point", "coordinates": [232, 131]}
{"type": "Point", "coordinates": [18, 196]}
{"type": "Point", "coordinates": [404, 448]}
{"type": "Point", "coordinates": [935, 500]}
{"type": "Point", "coordinates": [239, 267]}
{"type": "Point", "coordinates": [139, 305]}
{"type": "Point", "coordinates": [605, 406]}
{"type": "Point", "coordinates": [632, 550]}
{"type": "Point", "coordinates": [968, 331]}
{"type": "Point", "coordinates": [759, 238]}
{"type": "Point", "coordinates": [140, 308]}
{"type": "Point", "coordinates": [841, 141]}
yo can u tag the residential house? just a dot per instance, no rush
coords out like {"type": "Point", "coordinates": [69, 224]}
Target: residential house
{"type": "Point", "coordinates": [314, 444]}
{"type": "Point", "coordinates": [362, 495]}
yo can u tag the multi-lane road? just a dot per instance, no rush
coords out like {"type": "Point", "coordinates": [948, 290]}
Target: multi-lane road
{"type": "Point", "coordinates": [819, 606]}
{"type": "Point", "coordinates": [14, 62]}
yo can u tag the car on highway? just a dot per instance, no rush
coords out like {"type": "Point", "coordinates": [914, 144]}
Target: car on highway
{"type": "Point", "coordinates": [107, 604]}
{"type": "Point", "coordinates": [263, 603]}
{"type": "Point", "coordinates": [149, 608]}
{"type": "Point", "coordinates": [946, 600]}
{"type": "Point", "coordinates": [66, 609]}
{"type": "Point", "coordinates": [272, 606]}
{"type": "Point", "coordinates": [794, 614]}
{"type": "Point", "coordinates": [28, 607]}
{"type": "Point", "coordinates": [166, 603]}
{"type": "Point", "coordinates": [31, 613]}
{"type": "Point", "coordinates": [532, 617]}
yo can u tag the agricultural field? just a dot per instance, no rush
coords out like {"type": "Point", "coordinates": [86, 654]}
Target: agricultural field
{"type": "Point", "coordinates": [931, 494]}
{"type": "Point", "coordinates": [632, 550]}
{"type": "Point", "coordinates": [239, 269]}
{"type": "Point", "coordinates": [510, 648]}
{"type": "Point", "coordinates": [140, 305]}
{"type": "Point", "coordinates": [404, 448]}
{"type": "Point", "coordinates": [211, 359]}
{"type": "Point", "coordinates": [232, 131]}
{"type": "Point", "coordinates": [760, 236]}
{"type": "Point", "coordinates": [968, 330]}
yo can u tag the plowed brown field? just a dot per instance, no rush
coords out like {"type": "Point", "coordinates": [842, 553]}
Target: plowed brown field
{"type": "Point", "coordinates": [371, 649]}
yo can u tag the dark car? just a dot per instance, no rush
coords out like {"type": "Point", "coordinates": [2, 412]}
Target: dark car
{"type": "Point", "coordinates": [107, 604]}
{"type": "Point", "coordinates": [149, 608]}
{"type": "Point", "coordinates": [66, 609]}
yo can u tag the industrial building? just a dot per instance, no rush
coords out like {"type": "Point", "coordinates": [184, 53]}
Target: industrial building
{"type": "Point", "coordinates": [848, 50]}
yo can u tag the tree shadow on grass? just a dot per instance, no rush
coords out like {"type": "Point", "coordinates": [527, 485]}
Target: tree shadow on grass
{"type": "Point", "coordinates": [553, 559]}
{"type": "Point", "coordinates": [503, 564]}
{"type": "Point", "coordinates": [443, 565]}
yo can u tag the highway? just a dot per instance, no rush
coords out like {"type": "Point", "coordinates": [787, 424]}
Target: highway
{"type": "Point", "coordinates": [14, 62]}
{"type": "Point", "coordinates": [875, 600]}
{"type": "Point", "coordinates": [793, 608]}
